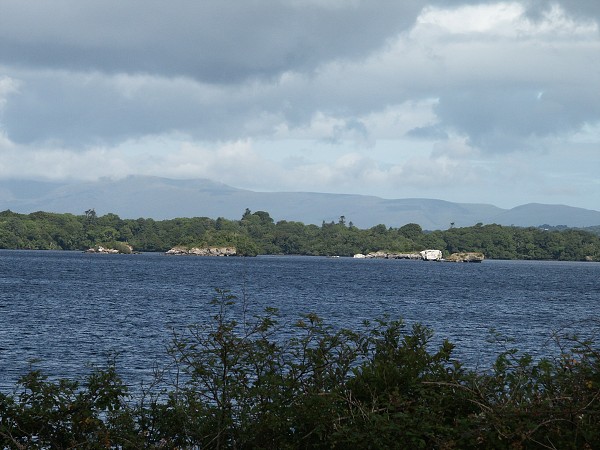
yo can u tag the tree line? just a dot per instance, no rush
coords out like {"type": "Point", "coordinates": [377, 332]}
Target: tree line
{"type": "Point", "coordinates": [257, 233]}
{"type": "Point", "coordinates": [259, 383]}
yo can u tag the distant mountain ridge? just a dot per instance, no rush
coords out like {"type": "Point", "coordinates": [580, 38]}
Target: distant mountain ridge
{"type": "Point", "coordinates": [163, 198]}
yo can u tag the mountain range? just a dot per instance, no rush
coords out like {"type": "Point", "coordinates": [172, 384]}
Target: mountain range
{"type": "Point", "coordinates": [163, 198]}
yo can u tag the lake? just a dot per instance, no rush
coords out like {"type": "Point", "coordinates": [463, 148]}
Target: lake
{"type": "Point", "coordinates": [72, 309]}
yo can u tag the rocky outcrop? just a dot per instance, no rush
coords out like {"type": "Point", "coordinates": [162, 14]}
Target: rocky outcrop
{"type": "Point", "coordinates": [466, 257]}
{"type": "Point", "coordinates": [202, 251]}
{"type": "Point", "coordinates": [414, 256]}
{"type": "Point", "coordinates": [379, 254]}
{"type": "Point", "coordinates": [431, 255]}
{"type": "Point", "coordinates": [124, 249]}
{"type": "Point", "coordinates": [425, 255]}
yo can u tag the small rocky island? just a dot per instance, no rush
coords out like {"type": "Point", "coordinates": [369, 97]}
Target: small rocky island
{"type": "Point", "coordinates": [466, 257]}
{"type": "Point", "coordinates": [202, 251]}
{"type": "Point", "coordinates": [425, 255]}
{"type": "Point", "coordinates": [122, 248]}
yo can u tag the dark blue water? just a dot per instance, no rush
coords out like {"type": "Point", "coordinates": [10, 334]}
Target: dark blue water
{"type": "Point", "coordinates": [70, 309]}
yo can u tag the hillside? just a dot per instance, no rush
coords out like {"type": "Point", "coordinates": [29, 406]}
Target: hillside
{"type": "Point", "coordinates": [162, 198]}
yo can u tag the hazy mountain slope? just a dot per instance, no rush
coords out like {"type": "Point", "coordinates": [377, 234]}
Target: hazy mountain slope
{"type": "Point", "coordinates": [540, 214]}
{"type": "Point", "coordinates": [162, 198]}
{"type": "Point", "coordinates": [366, 211]}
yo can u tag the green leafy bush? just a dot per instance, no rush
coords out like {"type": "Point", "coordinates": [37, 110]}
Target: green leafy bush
{"type": "Point", "coordinates": [255, 382]}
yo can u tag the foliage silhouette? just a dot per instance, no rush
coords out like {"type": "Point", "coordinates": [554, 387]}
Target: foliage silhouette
{"type": "Point", "coordinates": [240, 381]}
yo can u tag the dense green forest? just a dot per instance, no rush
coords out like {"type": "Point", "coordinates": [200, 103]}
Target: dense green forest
{"type": "Point", "coordinates": [257, 233]}
{"type": "Point", "coordinates": [263, 384]}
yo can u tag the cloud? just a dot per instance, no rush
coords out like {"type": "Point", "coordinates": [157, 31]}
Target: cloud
{"type": "Point", "coordinates": [580, 9]}
{"type": "Point", "coordinates": [509, 79]}
{"type": "Point", "coordinates": [59, 164]}
{"type": "Point", "coordinates": [483, 66]}
{"type": "Point", "coordinates": [211, 41]}
{"type": "Point", "coordinates": [330, 95]}
{"type": "Point", "coordinates": [83, 109]}
{"type": "Point", "coordinates": [7, 86]}
{"type": "Point", "coordinates": [506, 19]}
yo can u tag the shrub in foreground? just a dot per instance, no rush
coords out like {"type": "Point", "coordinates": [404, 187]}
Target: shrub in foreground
{"type": "Point", "coordinates": [253, 382]}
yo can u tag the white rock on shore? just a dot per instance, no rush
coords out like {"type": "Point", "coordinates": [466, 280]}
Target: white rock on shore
{"type": "Point", "coordinates": [202, 251]}
{"type": "Point", "coordinates": [105, 250]}
{"type": "Point", "coordinates": [431, 255]}
{"type": "Point", "coordinates": [425, 255]}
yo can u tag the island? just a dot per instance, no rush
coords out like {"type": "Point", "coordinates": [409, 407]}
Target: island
{"type": "Point", "coordinates": [202, 251]}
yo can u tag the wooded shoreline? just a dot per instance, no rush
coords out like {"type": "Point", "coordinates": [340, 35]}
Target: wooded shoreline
{"type": "Point", "coordinates": [256, 233]}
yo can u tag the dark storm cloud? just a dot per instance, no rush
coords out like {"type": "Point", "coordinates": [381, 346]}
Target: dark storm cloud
{"type": "Point", "coordinates": [213, 40]}
{"type": "Point", "coordinates": [52, 46]}
{"type": "Point", "coordinates": [78, 112]}
{"type": "Point", "coordinates": [89, 109]}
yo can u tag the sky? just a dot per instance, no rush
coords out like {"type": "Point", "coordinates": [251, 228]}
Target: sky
{"type": "Point", "coordinates": [465, 101]}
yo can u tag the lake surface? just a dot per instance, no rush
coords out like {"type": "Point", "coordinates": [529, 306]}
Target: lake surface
{"type": "Point", "coordinates": [71, 309]}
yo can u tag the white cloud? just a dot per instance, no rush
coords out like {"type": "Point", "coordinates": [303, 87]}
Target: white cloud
{"type": "Point", "coordinates": [228, 161]}
{"type": "Point", "coordinates": [502, 19]}
{"type": "Point", "coordinates": [589, 133]}
{"type": "Point", "coordinates": [483, 18]}
{"type": "Point", "coordinates": [58, 164]}
{"type": "Point", "coordinates": [456, 147]}
{"type": "Point", "coordinates": [7, 86]}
